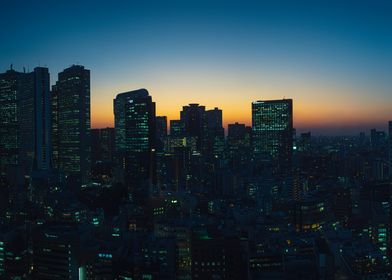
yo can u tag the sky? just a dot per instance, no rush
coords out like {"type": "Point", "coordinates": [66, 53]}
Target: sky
{"type": "Point", "coordinates": [333, 58]}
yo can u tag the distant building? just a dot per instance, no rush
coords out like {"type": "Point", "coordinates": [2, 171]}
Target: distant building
{"type": "Point", "coordinates": [134, 116]}
{"type": "Point", "coordinates": [102, 144]}
{"type": "Point", "coordinates": [304, 143]}
{"type": "Point", "coordinates": [377, 138]}
{"type": "Point", "coordinates": [390, 148]}
{"type": "Point", "coordinates": [239, 144]}
{"type": "Point", "coordinates": [71, 110]}
{"type": "Point", "coordinates": [272, 131]}
{"type": "Point", "coordinates": [161, 131]}
{"type": "Point", "coordinates": [9, 117]}
{"type": "Point", "coordinates": [177, 128]}
{"type": "Point", "coordinates": [215, 133]}
{"type": "Point", "coordinates": [194, 120]}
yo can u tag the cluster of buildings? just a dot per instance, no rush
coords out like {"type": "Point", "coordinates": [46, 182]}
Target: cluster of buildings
{"type": "Point", "coordinates": [152, 199]}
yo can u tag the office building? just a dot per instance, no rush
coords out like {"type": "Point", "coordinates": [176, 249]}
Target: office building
{"type": "Point", "coordinates": [161, 132]}
{"type": "Point", "coordinates": [71, 117]}
{"type": "Point", "coordinates": [215, 133]}
{"type": "Point", "coordinates": [194, 120]}
{"type": "Point", "coordinates": [25, 122]}
{"type": "Point", "coordinates": [390, 148]}
{"type": "Point", "coordinates": [134, 117]}
{"type": "Point", "coordinates": [272, 131]}
{"type": "Point", "coordinates": [177, 128]}
{"type": "Point", "coordinates": [102, 144]}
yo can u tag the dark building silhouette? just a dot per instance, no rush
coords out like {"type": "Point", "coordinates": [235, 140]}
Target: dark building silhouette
{"type": "Point", "coordinates": [25, 121]}
{"type": "Point", "coordinates": [272, 131]}
{"type": "Point", "coordinates": [390, 148]}
{"type": "Point", "coordinates": [194, 120]}
{"type": "Point", "coordinates": [215, 133]}
{"type": "Point", "coordinates": [161, 132]}
{"type": "Point", "coordinates": [218, 258]}
{"type": "Point", "coordinates": [102, 144]}
{"type": "Point", "coordinates": [377, 138]}
{"type": "Point", "coordinates": [239, 144]}
{"type": "Point", "coordinates": [177, 128]}
{"type": "Point", "coordinates": [71, 120]}
{"type": "Point", "coordinates": [134, 114]}
{"type": "Point", "coordinates": [9, 85]}
{"type": "Point", "coordinates": [55, 253]}
{"type": "Point", "coordinates": [304, 142]}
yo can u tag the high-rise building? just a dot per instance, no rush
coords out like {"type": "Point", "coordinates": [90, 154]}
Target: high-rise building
{"type": "Point", "coordinates": [102, 144]}
{"type": "Point", "coordinates": [194, 120]}
{"type": "Point", "coordinates": [134, 117]}
{"type": "Point", "coordinates": [71, 119]}
{"type": "Point", "coordinates": [304, 142]}
{"type": "Point", "coordinates": [25, 120]}
{"type": "Point", "coordinates": [239, 144]}
{"type": "Point", "coordinates": [177, 128]}
{"type": "Point", "coordinates": [272, 131]}
{"type": "Point", "coordinates": [377, 138]}
{"type": "Point", "coordinates": [9, 84]}
{"type": "Point", "coordinates": [161, 131]}
{"type": "Point", "coordinates": [42, 120]}
{"type": "Point", "coordinates": [390, 148]}
{"type": "Point", "coordinates": [215, 133]}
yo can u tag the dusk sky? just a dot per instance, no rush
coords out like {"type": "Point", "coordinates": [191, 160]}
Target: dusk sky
{"type": "Point", "coordinates": [334, 59]}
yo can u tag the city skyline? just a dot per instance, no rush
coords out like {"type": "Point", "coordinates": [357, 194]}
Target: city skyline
{"type": "Point", "coordinates": [187, 140]}
{"type": "Point", "coordinates": [333, 61]}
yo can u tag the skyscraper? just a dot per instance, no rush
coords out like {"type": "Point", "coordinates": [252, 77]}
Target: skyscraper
{"type": "Point", "coordinates": [272, 126]}
{"type": "Point", "coordinates": [134, 117]}
{"type": "Point", "coordinates": [215, 133]}
{"type": "Point", "coordinates": [194, 120]}
{"type": "Point", "coordinates": [72, 94]}
{"type": "Point", "coordinates": [390, 148]}
{"type": "Point", "coordinates": [25, 121]}
{"type": "Point", "coordinates": [42, 119]}
{"type": "Point", "coordinates": [9, 83]}
{"type": "Point", "coordinates": [161, 132]}
{"type": "Point", "coordinates": [177, 128]}
{"type": "Point", "coordinates": [102, 144]}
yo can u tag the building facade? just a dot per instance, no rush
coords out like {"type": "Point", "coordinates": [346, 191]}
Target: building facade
{"type": "Point", "coordinates": [71, 127]}
{"type": "Point", "coordinates": [272, 126]}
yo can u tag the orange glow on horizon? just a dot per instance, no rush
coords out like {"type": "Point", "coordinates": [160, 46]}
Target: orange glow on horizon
{"type": "Point", "coordinates": [315, 106]}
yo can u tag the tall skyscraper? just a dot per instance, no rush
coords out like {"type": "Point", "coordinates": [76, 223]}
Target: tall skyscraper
{"type": "Point", "coordinates": [161, 132]}
{"type": "Point", "coordinates": [215, 133]}
{"type": "Point", "coordinates": [25, 121]}
{"type": "Point", "coordinates": [71, 110]}
{"type": "Point", "coordinates": [9, 84]}
{"type": "Point", "coordinates": [194, 120]}
{"type": "Point", "coordinates": [390, 148]}
{"type": "Point", "coordinates": [272, 126]}
{"type": "Point", "coordinates": [134, 117]}
{"type": "Point", "coordinates": [42, 119]}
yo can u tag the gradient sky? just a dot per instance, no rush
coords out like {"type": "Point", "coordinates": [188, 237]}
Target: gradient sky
{"type": "Point", "coordinates": [333, 58]}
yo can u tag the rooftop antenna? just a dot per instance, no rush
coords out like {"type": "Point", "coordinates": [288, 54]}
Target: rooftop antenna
{"type": "Point", "coordinates": [24, 69]}
{"type": "Point", "coordinates": [11, 67]}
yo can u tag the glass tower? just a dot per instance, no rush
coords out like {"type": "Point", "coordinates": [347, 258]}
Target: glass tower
{"type": "Point", "coordinates": [272, 126]}
{"type": "Point", "coordinates": [134, 116]}
{"type": "Point", "coordinates": [25, 121]}
{"type": "Point", "coordinates": [71, 109]}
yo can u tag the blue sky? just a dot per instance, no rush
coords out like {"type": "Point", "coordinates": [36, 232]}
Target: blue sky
{"type": "Point", "coordinates": [333, 58]}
